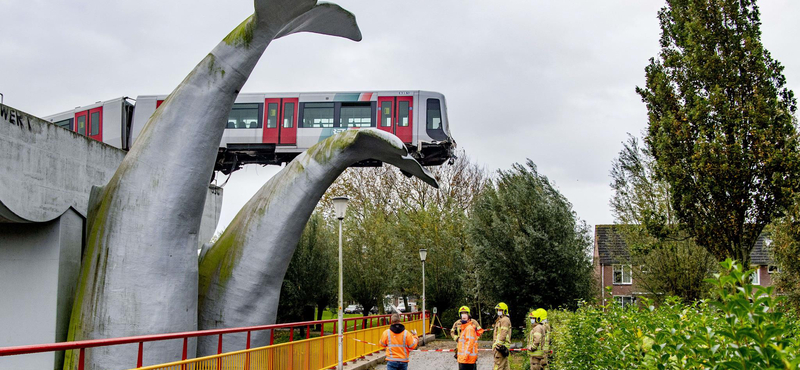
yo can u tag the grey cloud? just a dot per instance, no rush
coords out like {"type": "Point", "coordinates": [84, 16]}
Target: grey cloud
{"type": "Point", "coordinates": [546, 80]}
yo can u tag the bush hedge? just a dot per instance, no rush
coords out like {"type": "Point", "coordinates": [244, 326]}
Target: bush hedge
{"type": "Point", "coordinates": [741, 326]}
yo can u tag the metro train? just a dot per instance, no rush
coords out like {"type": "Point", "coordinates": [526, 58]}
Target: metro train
{"type": "Point", "coordinates": [273, 128]}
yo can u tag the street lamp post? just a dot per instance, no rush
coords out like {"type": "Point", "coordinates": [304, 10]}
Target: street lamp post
{"type": "Point", "coordinates": [340, 206]}
{"type": "Point", "coordinates": [423, 253]}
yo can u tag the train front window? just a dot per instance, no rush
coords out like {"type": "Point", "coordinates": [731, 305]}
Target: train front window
{"type": "Point", "coordinates": [82, 125]}
{"type": "Point", "coordinates": [434, 115]}
{"type": "Point", "coordinates": [355, 115]}
{"type": "Point", "coordinates": [95, 120]}
{"type": "Point", "coordinates": [318, 115]}
{"type": "Point", "coordinates": [244, 115]}
{"type": "Point", "coordinates": [402, 113]}
{"type": "Point", "coordinates": [288, 115]}
{"type": "Point", "coordinates": [386, 114]}
{"type": "Point", "coordinates": [272, 115]}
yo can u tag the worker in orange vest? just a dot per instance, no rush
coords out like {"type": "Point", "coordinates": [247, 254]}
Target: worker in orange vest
{"type": "Point", "coordinates": [398, 343]}
{"type": "Point", "coordinates": [467, 344]}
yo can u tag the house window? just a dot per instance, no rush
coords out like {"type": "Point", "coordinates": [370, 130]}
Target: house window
{"type": "Point", "coordinates": [622, 274]}
{"type": "Point", "coordinates": [773, 269]}
{"type": "Point", "coordinates": [755, 279]}
{"type": "Point", "coordinates": [624, 300]}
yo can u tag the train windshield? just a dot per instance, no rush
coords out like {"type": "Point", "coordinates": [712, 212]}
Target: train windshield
{"type": "Point", "coordinates": [434, 115]}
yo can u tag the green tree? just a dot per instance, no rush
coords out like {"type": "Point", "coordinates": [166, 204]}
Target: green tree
{"type": "Point", "coordinates": [531, 247]}
{"type": "Point", "coordinates": [368, 254]}
{"type": "Point", "coordinates": [785, 249]}
{"type": "Point", "coordinates": [721, 124]}
{"type": "Point", "coordinates": [668, 262]}
{"type": "Point", "coordinates": [311, 278]}
{"type": "Point", "coordinates": [409, 215]}
{"type": "Point", "coordinates": [443, 233]}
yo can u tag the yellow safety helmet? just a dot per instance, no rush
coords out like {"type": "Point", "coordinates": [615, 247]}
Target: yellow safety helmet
{"type": "Point", "coordinates": [539, 314]}
{"type": "Point", "coordinates": [463, 309]}
{"type": "Point", "coordinates": [502, 306]}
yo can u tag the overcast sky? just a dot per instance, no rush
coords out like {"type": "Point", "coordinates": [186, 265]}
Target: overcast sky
{"type": "Point", "coordinates": [552, 81]}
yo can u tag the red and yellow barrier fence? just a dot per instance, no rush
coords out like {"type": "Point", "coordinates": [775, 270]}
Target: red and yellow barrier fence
{"type": "Point", "coordinates": [309, 354]}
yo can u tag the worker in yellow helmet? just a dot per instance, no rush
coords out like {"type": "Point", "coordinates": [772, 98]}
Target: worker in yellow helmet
{"type": "Point", "coordinates": [502, 337]}
{"type": "Point", "coordinates": [538, 340]}
{"type": "Point", "coordinates": [548, 331]}
{"type": "Point", "coordinates": [464, 314]}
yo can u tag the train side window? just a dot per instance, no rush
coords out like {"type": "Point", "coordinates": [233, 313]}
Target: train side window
{"type": "Point", "coordinates": [67, 124]}
{"type": "Point", "coordinates": [95, 123]}
{"type": "Point", "coordinates": [318, 115]}
{"type": "Point", "coordinates": [355, 115]}
{"type": "Point", "coordinates": [244, 115]}
{"type": "Point", "coordinates": [434, 115]}
{"type": "Point", "coordinates": [82, 124]}
{"type": "Point", "coordinates": [272, 115]}
{"type": "Point", "coordinates": [288, 115]}
{"type": "Point", "coordinates": [402, 113]}
{"type": "Point", "coordinates": [386, 114]}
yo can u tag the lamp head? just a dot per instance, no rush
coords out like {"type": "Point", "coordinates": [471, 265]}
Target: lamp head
{"type": "Point", "coordinates": [340, 206]}
{"type": "Point", "coordinates": [423, 253]}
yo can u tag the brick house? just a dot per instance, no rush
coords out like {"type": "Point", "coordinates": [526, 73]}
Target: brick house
{"type": "Point", "coordinates": [612, 265]}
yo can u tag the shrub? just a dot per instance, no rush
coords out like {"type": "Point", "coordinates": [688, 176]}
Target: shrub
{"type": "Point", "coordinates": [740, 327]}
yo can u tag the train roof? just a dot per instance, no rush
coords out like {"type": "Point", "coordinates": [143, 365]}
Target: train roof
{"type": "Point", "coordinates": [315, 93]}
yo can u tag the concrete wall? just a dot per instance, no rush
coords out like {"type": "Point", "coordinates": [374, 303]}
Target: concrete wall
{"type": "Point", "coordinates": [210, 215]}
{"type": "Point", "coordinates": [39, 267]}
{"type": "Point", "coordinates": [46, 175]}
{"type": "Point", "coordinates": [45, 169]}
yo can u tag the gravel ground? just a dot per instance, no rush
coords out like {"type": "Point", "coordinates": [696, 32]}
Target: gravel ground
{"type": "Point", "coordinates": [444, 360]}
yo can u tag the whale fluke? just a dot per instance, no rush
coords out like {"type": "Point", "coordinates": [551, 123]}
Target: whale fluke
{"type": "Point", "coordinates": [242, 273]}
{"type": "Point", "coordinates": [140, 267]}
{"type": "Point", "coordinates": [326, 19]}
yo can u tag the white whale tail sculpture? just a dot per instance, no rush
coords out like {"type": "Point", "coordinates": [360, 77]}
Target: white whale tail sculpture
{"type": "Point", "coordinates": [139, 272]}
{"type": "Point", "coordinates": [241, 275]}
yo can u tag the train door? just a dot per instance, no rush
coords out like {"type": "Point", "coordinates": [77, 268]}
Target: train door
{"type": "Point", "coordinates": [80, 122]}
{"type": "Point", "coordinates": [288, 127]}
{"type": "Point", "coordinates": [95, 128]}
{"type": "Point", "coordinates": [386, 113]}
{"type": "Point", "coordinates": [404, 127]}
{"type": "Point", "coordinates": [271, 119]}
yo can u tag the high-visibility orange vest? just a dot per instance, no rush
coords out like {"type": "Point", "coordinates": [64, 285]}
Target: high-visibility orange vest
{"type": "Point", "coordinates": [468, 345]}
{"type": "Point", "coordinates": [398, 346]}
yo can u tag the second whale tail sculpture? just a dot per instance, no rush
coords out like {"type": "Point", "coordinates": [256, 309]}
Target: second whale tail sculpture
{"type": "Point", "coordinates": [139, 272]}
{"type": "Point", "coordinates": [242, 273]}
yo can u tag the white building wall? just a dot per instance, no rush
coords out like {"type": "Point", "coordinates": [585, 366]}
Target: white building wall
{"type": "Point", "coordinates": [39, 267]}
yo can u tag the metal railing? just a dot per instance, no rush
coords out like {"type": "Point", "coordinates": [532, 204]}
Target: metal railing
{"type": "Point", "coordinates": [307, 354]}
{"type": "Point", "coordinates": [301, 354]}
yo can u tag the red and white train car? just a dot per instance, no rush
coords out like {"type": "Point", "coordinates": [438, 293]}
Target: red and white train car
{"type": "Point", "coordinates": [273, 128]}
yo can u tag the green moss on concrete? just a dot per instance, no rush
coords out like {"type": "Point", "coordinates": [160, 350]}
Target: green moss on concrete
{"type": "Point", "coordinates": [220, 260]}
{"type": "Point", "coordinates": [243, 34]}
{"type": "Point", "coordinates": [96, 222]}
{"type": "Point", "coordinates": [324, 151]}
